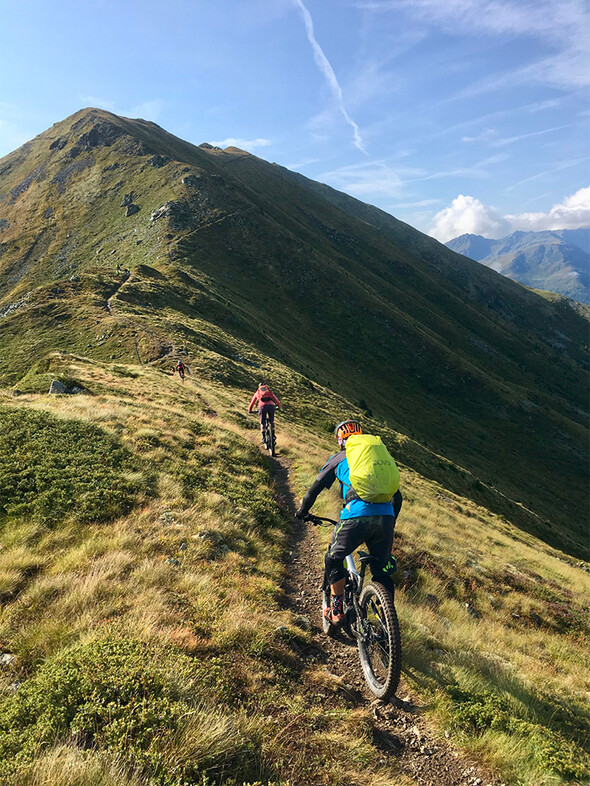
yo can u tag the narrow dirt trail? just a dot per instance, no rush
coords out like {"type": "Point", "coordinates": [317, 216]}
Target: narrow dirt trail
{"type": "Point", "coordinates": [400, 729]}
{"type": "Point", "coordinates": [118, 286]}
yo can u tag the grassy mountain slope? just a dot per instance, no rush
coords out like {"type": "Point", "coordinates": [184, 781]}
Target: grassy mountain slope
{"type": "Point", "coordinates": [231, 256]}
{"type": "Point", "coordinates": [150, 640]}
{"type": "Point", "coordinates": [557, 261]}
{"type": "Point", "coordinates": [144, 546]}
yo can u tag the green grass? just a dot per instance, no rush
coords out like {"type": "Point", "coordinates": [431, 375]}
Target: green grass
{"type": "Point", "coordinates": [508, 682]}
{"type": "Point", "coordinates": [158, 646]}
{"type": "Point", "coordinates": [55, 470]}
{"type": "Point", "coordinates": [144, 705]}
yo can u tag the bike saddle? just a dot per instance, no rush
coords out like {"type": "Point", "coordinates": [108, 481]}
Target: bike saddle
{"type": "Point", "coordinates": [366, 559]}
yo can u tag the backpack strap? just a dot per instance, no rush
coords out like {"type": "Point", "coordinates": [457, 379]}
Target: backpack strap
{"type": "Point", "coordinates": [350, 495]}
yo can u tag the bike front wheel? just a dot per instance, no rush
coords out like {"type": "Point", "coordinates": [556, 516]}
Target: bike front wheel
{"type": "Point", "coordinates": [326, 624]}
{"type": "Point", "coordinates": [379, 640]}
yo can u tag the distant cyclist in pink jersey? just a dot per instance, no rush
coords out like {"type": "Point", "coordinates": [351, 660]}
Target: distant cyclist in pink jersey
{"type": "Point", "coordinates": [266, 401]}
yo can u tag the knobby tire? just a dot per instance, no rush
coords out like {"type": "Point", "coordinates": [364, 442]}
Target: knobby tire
{"type": "Point", "coordinates": [379, 641]}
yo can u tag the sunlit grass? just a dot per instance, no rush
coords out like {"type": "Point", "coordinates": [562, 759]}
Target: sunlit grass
{"type": "Point", "coordinates": [196, 567]}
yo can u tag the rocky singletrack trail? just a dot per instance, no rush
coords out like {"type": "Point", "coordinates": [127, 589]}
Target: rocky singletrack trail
{"type": "Point", "coordinates": [400, 729]}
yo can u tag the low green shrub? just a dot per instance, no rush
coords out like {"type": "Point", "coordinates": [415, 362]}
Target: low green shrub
{"type": "Point", "coordinates": [51, 469]}
{"type": "Point", "coordinates": [143, 704]}
{"type": "Point", "coordinates": [476, 712]}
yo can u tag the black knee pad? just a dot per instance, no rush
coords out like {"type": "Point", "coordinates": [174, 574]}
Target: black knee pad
{"type": "Point", "coordinates": [335, 569]}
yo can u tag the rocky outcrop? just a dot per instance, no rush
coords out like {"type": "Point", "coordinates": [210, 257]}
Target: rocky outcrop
{"type": "Point", "coordinates": [58, 387]}
{"type": "Point", "coordinates": [158, 161]}
{"type": "Point", "coordinates": [71, 169]}
{"type": "Point", "coordinates": [178, 214]}
{"type": "Point", "coordinates": [102, 134]}
{"type": "Point", "coordinates": [132, 210]}
{"type": "Point", "coordinates": [10, 308]}
{"type": "Point", "coordinates": [59, 144]}
{"type": "Point", "coordinates": [190, 180]}
{"type": "Point", "coordinates": [127, 199]}
{"type": "Point", "coordinates": [24, 185]}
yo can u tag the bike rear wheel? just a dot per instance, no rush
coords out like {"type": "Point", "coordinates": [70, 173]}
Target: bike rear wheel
{"type": "Point", "coordinates": [269, 437]}
{"type": "Point", "coordinates": [379, 640]}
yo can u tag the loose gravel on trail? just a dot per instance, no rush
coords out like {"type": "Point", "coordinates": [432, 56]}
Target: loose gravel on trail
{"type": "Point", "coordinates": [400, 729]}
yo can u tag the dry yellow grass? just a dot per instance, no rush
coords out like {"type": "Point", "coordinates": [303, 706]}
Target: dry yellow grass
{"type": "Point", "coordinates": [200, 573]}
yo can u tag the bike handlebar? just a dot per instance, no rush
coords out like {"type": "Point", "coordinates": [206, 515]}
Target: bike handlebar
{"type": "Point", "coordinates": [319, 520]}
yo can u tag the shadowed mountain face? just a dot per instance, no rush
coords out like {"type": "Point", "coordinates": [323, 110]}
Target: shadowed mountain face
{"type": "Point", "coordinates": [558, 261]}
{"type": "Point", "coordinates": [231, 257]}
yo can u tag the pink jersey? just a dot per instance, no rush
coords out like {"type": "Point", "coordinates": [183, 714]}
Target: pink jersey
{"type": "Point", "coordinates": [263, 396]}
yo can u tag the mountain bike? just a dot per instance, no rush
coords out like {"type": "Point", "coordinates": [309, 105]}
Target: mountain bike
{"type": "Point", "coordinates": [268, 435]}
{"type": "Point", "coordinates": [371, 619]}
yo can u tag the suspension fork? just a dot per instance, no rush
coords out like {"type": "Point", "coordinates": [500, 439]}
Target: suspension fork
{"type": "Point", "coordinates": [353, 589]}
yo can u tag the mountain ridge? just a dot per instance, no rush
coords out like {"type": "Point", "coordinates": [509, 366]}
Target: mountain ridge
{"type": "Point", "coordinates": [226, 249]}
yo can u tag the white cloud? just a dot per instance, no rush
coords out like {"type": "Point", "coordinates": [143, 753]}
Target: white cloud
{"type": "Point", "coordinates": [373, 180]}
{"type": "Point", "coordinates": [542, 18]}
{"type": "Point", "coordinates": [467, 215]}
{"type": "Point", "coordinates": [243, 144]}
{"type": "Point", "coordinates": [322, 126]}
{"type": "Point", "coordinates": [572, 213]}
{"type": "Point", "coordinates": [479, 170]}
{"type": "Point", "coordinates": [540, 175]}
{"type": "Point", "coordinates": [327, 71]}
{"type": "Point", "coordinates": [542, 132]}
{"type": "Point", "coordinates": [487, 135]}
{"type": "Point", "coordinates": [421, 203]}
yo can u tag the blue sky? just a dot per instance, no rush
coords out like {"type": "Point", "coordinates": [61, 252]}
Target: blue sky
{"type": "Point", "coordinates": [453, 115]}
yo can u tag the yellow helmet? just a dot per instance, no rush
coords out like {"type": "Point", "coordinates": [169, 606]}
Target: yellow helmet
{"type": "Point", "coordinates": [344, 430]}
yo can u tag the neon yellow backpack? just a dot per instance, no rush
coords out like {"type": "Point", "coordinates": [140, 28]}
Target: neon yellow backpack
{"type": "Point", "coordinates": [374, 475]}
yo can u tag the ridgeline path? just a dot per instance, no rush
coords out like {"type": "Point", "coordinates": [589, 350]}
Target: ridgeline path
{"type": "Point", "coordinates": [400, 729]}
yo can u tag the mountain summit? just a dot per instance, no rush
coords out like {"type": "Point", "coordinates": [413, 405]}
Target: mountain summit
{"type": "Point", "coordinates": [233, 260]}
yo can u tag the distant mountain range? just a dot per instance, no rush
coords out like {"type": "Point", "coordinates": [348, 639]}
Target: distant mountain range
{"type": "Point", "coordinates": [557, 261]}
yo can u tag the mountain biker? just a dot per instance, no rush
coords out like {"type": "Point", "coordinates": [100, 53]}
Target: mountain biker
{"type": "Point", "coordinates": [181, 368]}
{"type": "Point", "coordinates": [360, 522]}
{"type": "Point", "coordinates": [266, 401]}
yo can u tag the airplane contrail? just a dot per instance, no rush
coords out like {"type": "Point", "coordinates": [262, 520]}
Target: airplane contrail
{"type": "Point", "coordinates": [323, 64]}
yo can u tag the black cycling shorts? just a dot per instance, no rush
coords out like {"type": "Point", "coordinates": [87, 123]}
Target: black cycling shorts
{"type": "Point", "coordinates": [349, 534]}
